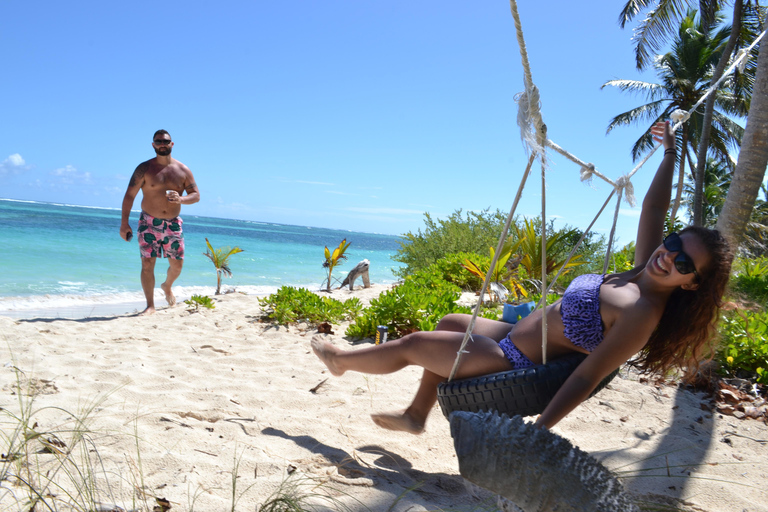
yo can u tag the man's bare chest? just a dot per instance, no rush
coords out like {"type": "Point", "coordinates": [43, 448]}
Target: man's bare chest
{"type": "Point", "coordinates": [167, 177]}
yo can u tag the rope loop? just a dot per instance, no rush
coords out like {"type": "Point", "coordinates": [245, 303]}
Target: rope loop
{"type": "Point", "coordinates": [624, 183]}
{"type": "Point", "coordinates": [527, 105]}
{"type": "Point", "coordinates": [679, 115]}
{"type": "Point", "coordinates": [741, 59]}
{"type": "Point", "coordinates": [587, 172]}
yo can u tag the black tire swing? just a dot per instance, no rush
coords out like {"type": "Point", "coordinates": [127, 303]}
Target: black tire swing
{"type": "Point", "coordinates": [524, 392]}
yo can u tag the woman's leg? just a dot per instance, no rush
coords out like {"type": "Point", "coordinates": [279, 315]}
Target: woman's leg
{"type": "Point", "coordinates": [435, 351]}
{"type": "Point", "coordinates": [458, 322]}
{"type": "Point", "coordinates": [432, 350]}
{"type": "Point", "coordinates": [414, 418]}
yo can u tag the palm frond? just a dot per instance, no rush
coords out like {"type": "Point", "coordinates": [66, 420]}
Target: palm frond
{"type": "Point", "coordinates": [650, 90]}
{"type": "Point", "coordinates": [631, 9]}
{"type": "Point", "coordinates": [653, 32]}
{"type": "Point", "coordinates": [641, 114]}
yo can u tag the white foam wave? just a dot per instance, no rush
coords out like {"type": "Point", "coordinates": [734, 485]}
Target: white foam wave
{"type": "Point", "coordinates": [54, 302]}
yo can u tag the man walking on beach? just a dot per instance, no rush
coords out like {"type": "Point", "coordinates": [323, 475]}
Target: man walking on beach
{"type": "Point", "coordinates": [162, 181]}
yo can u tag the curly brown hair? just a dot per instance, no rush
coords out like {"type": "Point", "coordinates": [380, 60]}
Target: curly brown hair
{"type": "Point", "coordinates": [687, 325]}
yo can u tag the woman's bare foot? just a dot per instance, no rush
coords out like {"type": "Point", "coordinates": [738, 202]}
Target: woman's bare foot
{"type": "Point", "coordinates": [400, 421]}
{"type": "Point", "coordinates": [169, 296]}
{"type": "Point", "coordinates": [326, 352]}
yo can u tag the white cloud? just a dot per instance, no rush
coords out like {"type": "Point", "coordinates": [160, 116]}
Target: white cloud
{"type": "Point", "coordinates": [15, 159]}
{"type": "Point", "coordinates": [70, 175]}
{"type": "Point", "coordinates": [14, 164]}
{"type": "Point", "coordinates": [385, 211]}
{"type": "Point", "coordinates": [629, 213]}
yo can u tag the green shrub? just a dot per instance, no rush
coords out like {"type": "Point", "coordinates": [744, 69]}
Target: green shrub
{"type": "Point", "coordinates": [470, 232]}
{"type": "Point", "coordinates": [450, 269]}
{"type": "Point", "coordinates": [551, 297]}
{"type": "Point", "coordinates": [473, 232]}
{"type": "Point", "coordinates": [415, 305]}
{"type": "Point", "coordinates": [195, 301]}
{"type": "Point", "coordinates": [744, 343]}
{"type": "Point", "coordinates": [622, 260]}
{"type": "Point", "coordinates": [750, 279]}
{"type": "Point", "coordinates": [292, 305]}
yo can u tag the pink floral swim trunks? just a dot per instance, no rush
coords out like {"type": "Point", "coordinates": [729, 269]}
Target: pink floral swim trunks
{"type": "Point", "coordinates": [158, 236]}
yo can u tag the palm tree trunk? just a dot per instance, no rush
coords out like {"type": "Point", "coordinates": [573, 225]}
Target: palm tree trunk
{"type": "Point", "coordinates": [218, 281]}
{"type": "Point", "coordinates": [701, 155]}
{"type": "Point", "coordinates": [753, 157]}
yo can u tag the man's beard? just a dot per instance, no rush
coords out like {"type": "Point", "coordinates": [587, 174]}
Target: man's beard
{"type": "Point", "coordinates": [163, 151]}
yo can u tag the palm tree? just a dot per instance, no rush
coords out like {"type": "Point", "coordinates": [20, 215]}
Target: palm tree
{"type": "Point", "coordinates": [756, 235]}
{"type": "Point", "coordinates": [655, 29]}
{"type": "Point", "coordinates": [748, 20]}
{"type": "Point", "coordinates": [749, 173]}
{"type": "Point", "coordinates": [220, 259]}
{"type": "Point", "coordinates": [333, 259]}
{"type": "Point", "coordinates": [685, 73]}
{"type": "Point", "coordinates": [717, 180]}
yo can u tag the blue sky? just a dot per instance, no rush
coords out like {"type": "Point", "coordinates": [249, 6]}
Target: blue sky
{"type": "Point", "coordinates": [344, 114]}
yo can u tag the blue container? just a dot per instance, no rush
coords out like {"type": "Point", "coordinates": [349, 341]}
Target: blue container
{"type": "Point", "coordinates": [511, 312]}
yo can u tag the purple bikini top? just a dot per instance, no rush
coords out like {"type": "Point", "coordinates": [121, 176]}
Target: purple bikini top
{"type": "Point", "coordinates": [580, 310]}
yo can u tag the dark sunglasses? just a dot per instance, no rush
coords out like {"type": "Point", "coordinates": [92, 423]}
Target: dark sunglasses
{"type": "Point", "coordinates": [162, 142]}
{"type": "Point", "coordinates": [683, 262]}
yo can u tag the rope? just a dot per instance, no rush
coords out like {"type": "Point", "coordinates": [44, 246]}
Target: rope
{"type": "Point", "coordinates": [613, 231]}
{"type": "Point", "coordinates": [543, 260]}
{"type": "Point", "coordinates": [530, 114]}
{"type": "Point", "coordinates": [499, 247]}
{"type": "Point", "coordinates": [587, 169]}
{"type": "Point", "coordinates": [575, 248]}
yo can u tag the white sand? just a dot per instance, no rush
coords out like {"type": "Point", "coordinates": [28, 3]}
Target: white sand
{"type": "Point", "coordinates": [202, 390]}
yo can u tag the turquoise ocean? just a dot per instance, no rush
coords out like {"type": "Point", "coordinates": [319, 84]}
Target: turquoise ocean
{"type": "Point", "coordinates": [69, 261]}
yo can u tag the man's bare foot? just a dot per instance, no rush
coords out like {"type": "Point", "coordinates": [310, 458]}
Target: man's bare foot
{"type": "Point", "coordinates": [400, 421]}
{"type": "Point", "coordinates": [168, 294]}
{"type": "Point", "coordinates": [326, 352]}
{"type": "Point", "coordinates": [149, 311]}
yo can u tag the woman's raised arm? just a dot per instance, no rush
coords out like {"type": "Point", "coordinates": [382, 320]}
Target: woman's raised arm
{"type": "Point", "coordinates": [650, 230]}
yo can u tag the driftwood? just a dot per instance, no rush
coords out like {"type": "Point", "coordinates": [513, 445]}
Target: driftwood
{"type": "Point", "coordinates": [535, 469]}
{"type": "Point", "coordinates": [360, 270]}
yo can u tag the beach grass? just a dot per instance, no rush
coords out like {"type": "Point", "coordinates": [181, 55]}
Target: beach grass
{"type": "Point", "coordinates": [60, 468]}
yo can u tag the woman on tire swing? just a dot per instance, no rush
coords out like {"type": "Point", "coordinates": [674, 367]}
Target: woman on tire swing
{"type": "Point", "coordinates": [665, 308]}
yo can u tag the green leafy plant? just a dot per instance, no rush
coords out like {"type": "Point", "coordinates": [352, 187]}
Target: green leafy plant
{"type": "Point", "coordinates": [415, 305]}
{"type": "Point", "coordinates": [469, 232]}
{"type": "Point", "coordinates": [195, 301]}
{"type": "Point", "coordinates": [292, 305]}
{"type": "Point", "coordinates": [333, 259]}
{"type": "Point", "coordinates": [220, 259]}
{"type": "Point", "coordinates": [499, 274]}
{"type": "Point", "coordinates": [451, 268]}
{"type": "Point", "coordinates": [558, 246]}
{"type": "Point", "coordinates": [743, 349]}
{"type": "Point", "coordinates": [623, 260]}
{"type": "Point", "coordinates": [750, 279]}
